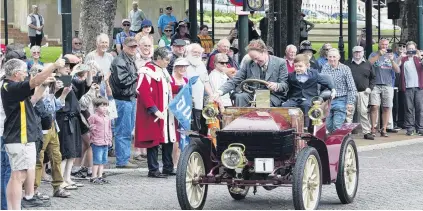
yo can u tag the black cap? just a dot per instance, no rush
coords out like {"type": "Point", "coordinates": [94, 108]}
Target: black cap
{"type": "Point", "coordinates": [15, 54]}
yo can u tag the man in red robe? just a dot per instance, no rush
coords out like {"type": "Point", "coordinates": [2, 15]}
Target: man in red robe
{"type": "Point", "coordinates": [154, 124]}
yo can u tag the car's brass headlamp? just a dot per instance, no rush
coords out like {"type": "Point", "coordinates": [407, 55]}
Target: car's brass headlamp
{"type": "Point", "coordinates": [233, 157]}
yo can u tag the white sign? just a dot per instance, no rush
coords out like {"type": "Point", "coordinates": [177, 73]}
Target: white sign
{"type": "Point", "coordinates": [264, 165]}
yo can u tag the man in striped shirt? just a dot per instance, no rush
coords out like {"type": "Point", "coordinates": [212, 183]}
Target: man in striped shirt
{"type": "Point", "coordinates": [345, 90]}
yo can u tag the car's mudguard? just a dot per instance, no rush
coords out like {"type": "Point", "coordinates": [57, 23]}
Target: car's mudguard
{"type": "Point", "coordinates": [329, 148]}
{"type": "Point", "coordinates": [205, 145]}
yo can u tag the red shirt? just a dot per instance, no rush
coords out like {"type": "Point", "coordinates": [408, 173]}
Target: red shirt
{"type": "Point", "coordinates": [290, 68]}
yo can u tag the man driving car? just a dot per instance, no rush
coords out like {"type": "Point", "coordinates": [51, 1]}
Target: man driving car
{"type": "Point", "coordinates": [262, 66]}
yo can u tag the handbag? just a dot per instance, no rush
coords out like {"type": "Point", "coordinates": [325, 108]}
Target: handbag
{"type": "Point", "coordinates": [112, 109]}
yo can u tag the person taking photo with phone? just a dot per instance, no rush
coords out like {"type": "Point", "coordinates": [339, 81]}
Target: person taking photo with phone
{"type": "Point", "coordinates": [385, 67]}
{"type": "Point", "coordinates": [411, 83]}
{"type": "Point", "coordinates": [69, 118]}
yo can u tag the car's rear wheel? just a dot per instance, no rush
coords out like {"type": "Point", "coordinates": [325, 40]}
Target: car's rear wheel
{"type": "Point", "coordinates": [238, 193]}
{"type": "Point", "coordinates": [348, 172]}
{"type": "Point", "coordinates": [191, 167]}
{"type": "Point", "coordinates": [307, 180]}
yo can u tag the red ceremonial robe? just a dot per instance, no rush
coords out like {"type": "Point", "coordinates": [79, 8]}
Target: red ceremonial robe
{"type": "Point", "coordinates": [154, 89]}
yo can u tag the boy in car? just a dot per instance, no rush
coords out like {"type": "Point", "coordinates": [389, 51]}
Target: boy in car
{"type": "Point", "coordinates": [303, 85]}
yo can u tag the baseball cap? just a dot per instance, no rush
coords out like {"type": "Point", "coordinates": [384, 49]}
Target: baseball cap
{"type": "Point", "coordinates": [130, 41]}
{"type": "Point", "coordinates": [126, 20]}
{"type": "Point", "coordinates": [181, 62]}
{"type": "Point", "coordinates": [179, 42]}
{"type": "Point", "coordinates": [357, 48]}
{"type": "Point", "coordinates": [146, 23]}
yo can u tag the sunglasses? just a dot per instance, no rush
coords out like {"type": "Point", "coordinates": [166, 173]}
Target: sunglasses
{"type": "Point", "coordinates": [133, 46]}
{"type": "Point", "coordinates": [78, 43]}
{"type": "Point", "coordinates": [126, 24]}
{"type": "Point", "coordinates": [169, 8]}
{"type": "Point", "coordinates": [223, 63]}
{"type": "Point", "coordinates": [168, 30]}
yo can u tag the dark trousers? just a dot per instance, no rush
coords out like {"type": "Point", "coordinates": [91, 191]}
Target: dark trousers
{"type": "Point", "coordinates": [36, 40]}
{"type": "Point", "coordinates": [413, 118]}
{"type": "Point", "coordinates": [303, 104]}
{"type": "Point", "coordinates": [400, 111]}
{"type": "Point", "coordinates": [153, 156]}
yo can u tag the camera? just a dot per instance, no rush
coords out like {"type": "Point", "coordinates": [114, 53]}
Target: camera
{"type": "Point", "coordinates": [97, 79]}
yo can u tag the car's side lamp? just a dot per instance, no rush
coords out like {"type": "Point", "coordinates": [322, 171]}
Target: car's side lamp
{"type": "Point", "coordinates": [316, 113]}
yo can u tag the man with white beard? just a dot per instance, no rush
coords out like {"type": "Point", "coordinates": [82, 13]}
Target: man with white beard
{"type": "Point", "coordinates": [198, 68]}
{"type": "Point", "coordinates": [100, 54]}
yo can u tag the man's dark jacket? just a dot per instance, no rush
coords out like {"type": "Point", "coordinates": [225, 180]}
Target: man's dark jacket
{"type": "Point", "coordinates": [123, 78]}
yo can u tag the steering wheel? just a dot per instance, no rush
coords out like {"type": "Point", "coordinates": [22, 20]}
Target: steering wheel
{"type": "Point", "coordinates": [249, 89]}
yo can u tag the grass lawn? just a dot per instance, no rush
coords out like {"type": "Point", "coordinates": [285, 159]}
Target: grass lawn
{"type": "Point", "coordinates": [50, 54]}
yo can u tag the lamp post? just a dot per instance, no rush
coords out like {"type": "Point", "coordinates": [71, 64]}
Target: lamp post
{"type": "Point", "coordinates": [66, 26]}
{"type": "Point", "coordinates": [341, 38]}
{"type": "Point", "coordinates": [352, 26]}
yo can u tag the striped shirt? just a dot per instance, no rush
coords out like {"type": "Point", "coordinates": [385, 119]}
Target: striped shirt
{"type": "Point", "coordinates": [343, 80]}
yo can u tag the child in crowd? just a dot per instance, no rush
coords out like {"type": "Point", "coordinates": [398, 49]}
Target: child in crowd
{"type": "Point", "coordinates": [303, 85]}
{"type": "Point", "coordinates": [101, 138]}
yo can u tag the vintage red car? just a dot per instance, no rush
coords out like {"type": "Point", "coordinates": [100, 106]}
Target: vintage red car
{"type": "Point", "coordinates": [259, 146]}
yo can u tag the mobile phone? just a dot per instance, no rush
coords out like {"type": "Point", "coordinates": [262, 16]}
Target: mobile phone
{"type": "Point", "coordinates": [412, 52]}
{"type": "Point", "coordinates": [388, 50]}
{"type": "Point", "coordinates": [66, 79]}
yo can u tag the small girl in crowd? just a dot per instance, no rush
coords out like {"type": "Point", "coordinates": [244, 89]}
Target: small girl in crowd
{"type": "Point", "coordinates": [101, 138]}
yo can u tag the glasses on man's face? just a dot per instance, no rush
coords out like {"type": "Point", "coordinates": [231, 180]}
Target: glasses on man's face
{"type": "Point", "coordinates": [77, 43]}
{"type": "Point", "coordinates": [133, 46]}
{"type": "Point", "coordinates": [126, 24]}
{"type": "Point", "coordinates": [223, 63]}
{"type": "Point", "coordinates": [168, 30]}
{"type": "Point", "coordinates": [168, 8]}
{"type": "Point", "coordinates": [401, 46]}
{"type": "Point", "coordinates": [35, 52]}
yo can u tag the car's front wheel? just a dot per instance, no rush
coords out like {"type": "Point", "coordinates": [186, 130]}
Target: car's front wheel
{"type": "Point", "coordinates": [191, 167]}
{"type": "Point", "coordinates": [307, 180]}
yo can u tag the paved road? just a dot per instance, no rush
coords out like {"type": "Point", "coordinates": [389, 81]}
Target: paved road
{"type": "Point", "coordinates": [389, 179]}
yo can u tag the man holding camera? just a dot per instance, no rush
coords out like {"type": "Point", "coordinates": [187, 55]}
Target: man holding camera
{"type": "Point", "coordinates": [383, 92]}
{"type": "Point", "coordinates": [411, 83]}
{"type": "Point", "coordinates": [19, 127]}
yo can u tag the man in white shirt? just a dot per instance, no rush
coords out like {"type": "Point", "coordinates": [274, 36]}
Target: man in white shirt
{"type": "Point", "coordinates": [136, 16]}
{"type": "Point", "coordinates": [100, 55]}
{"type": "Point", "coordinates": [35, 24]}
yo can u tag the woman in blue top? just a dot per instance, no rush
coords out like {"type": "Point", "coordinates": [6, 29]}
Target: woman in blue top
{"type": "Point", "coordinates": [35, 57]}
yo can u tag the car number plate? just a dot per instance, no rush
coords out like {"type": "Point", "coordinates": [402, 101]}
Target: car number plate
{"type": "Point", "coordinates": [264, 165]}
